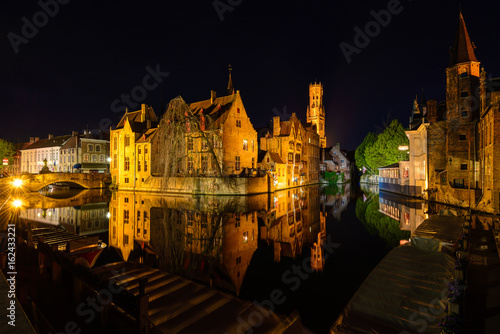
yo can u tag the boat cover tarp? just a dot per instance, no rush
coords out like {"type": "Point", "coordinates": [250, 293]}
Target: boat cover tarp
{"type": "Point", "coordinates": [406, 292]}
{"type": "Point", "coordinates": [443, 228]}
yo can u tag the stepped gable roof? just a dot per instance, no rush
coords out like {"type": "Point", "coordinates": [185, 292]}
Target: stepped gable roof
{"type": "Point", "coordinates": [463, 49]}
{"type": "Point", "coordinates": [216, 110]}
{"type": "Point", "coordinates": [53, 142]}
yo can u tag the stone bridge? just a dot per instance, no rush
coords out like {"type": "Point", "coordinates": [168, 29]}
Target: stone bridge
{"type": "Point", "coordinates": [35, 182]}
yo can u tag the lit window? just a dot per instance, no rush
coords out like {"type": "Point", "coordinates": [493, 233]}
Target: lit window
{"type": "Point", "coordinates": [237, 163]}
{"type": "Point", "coordinates": [190, 164]}
{"type": "Point", "coordinates": [127, 164]}
{"type": "Point", "coordinates": [245, 237]}
{"type": "Point", "coordinates": [245, 145]}
{"type": "Point", "coordinates": [94, 157]}
{"type": "Point", "coordinates": [190, 144]}
{"type": "Point", "coordinates": [85, 158]}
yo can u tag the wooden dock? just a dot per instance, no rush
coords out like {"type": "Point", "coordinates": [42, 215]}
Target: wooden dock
{"type": "Point", "coordinates": [171, 304]}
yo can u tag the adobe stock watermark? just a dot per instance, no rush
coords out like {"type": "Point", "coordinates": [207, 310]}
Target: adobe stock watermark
{"type": "Point", "coordinates": [222, 6]}
{"type": "Point", "coordinates": [293, 278]}
{"type": "Point", "coordinates": [139, 93]}
{"type": "Point", "coordinates": [91, 306]}
{"type": "Point", "coordinates": [30, 28]}
{"type": "Point", "coordinates": [372, 29]}
{"type": "Point", "coordinates": [434, 311]}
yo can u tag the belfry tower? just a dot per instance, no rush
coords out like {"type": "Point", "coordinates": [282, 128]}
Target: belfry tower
{"type": "Point", "coordinates": [316, 111]}
{"type": "Point", "coordinates": [462, 82]}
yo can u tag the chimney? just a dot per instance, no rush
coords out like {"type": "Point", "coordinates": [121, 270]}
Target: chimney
{"type": "Point", "coordinates": [74, 133]}
{"type": "Point", "coordinates": [213, 96]}
{"type": "Point", "coordinates": [276, 126]}
{"type": "Point", "coordinates": [143, 112]}
{"type": "Point", "coordinates": [50, 136]}
{"type": "Point", "coordinates": [294, 115]}
{"type": "Point", "coordinates": [32, 140]}
{"type": "Point", "coordinates": [432, 115]}
{"type": "Point", "coordinates": [37, 138]}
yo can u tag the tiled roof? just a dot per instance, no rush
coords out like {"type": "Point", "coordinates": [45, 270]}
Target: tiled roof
{"type": "Point", "coordinates": [276, 158]}
{"type": "Point", "coordinates": [261, 155]}
{"type": "Point", "coordinates": [390, 166]}
{"type": "Point", "coordinates": [53, 142]}
{"type": "Point", "coordinates": [463, 49]}
{"type": "Point", "coordinates": [134, 118]}
{"type": "Point", "coordinates": [216, 110]}
{"type": "Point", "coordinates": [71, 143]}
{"type": "Point", "coordinates": [147, 135]}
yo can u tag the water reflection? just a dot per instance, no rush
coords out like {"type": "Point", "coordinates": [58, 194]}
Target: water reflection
{"type": "Point", "coordinates": [85, 219]}
{"type": "Point", "coordinates": [409, 212]}
{"type": "Point", "coordinates": [381, 217]}
{"type": "Point", "coordinates": [213, 239]}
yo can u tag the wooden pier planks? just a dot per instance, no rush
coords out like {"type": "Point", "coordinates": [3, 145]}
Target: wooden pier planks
{"type": "Point", "coordinates": [178, 305]}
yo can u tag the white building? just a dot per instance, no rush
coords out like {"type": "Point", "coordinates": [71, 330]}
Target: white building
{"type": "Point", "coordinates": [33, 156]}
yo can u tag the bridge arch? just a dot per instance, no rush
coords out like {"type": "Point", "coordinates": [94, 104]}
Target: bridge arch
{"type": "Point", "coordinates": [36, 182]}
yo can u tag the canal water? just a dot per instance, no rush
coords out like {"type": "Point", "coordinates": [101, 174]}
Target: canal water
{"type": "Point", "coordinates": [303, 250]}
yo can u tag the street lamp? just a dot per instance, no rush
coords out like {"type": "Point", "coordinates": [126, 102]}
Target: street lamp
{"type": "Point", "coordinates": [17, 183]}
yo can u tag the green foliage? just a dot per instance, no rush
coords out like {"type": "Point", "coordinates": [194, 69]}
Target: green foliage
{"type": "Point", "coordinates": [7, 149]}
{"type": "Point", "coordinates": [376, 223]}
{"type": "Point", "coordinates": [331, 190]}
{"type": "Point", "coordinates": [359, 155]}
{"type": "Point", "coordinates": [331, 177]}
{"type": "Point", "coordinates": [385, 151]}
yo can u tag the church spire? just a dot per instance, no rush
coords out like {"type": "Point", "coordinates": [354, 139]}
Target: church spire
{"type": "Point", "coordinates": [463, 49]}
{"type": "Point", "coordinates": [230, 88]}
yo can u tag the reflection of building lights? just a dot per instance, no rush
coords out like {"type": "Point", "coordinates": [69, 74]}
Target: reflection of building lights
{"type": "Point", "coordinates": [17, 183]}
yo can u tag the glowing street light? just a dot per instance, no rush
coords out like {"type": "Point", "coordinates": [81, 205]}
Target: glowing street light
{"type": "Point", "coordinates": [17, 203]}
{"type": "Point", "coordinates": [17, 183]}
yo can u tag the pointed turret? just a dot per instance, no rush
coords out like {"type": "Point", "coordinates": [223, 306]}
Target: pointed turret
{"type": "Point", "coordinates": [230, 87]}
{"type": "Point", "coordinates": [463, 49]}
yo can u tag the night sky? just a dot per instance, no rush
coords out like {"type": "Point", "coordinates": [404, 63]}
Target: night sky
{"type": "Point", "coordinates": [67, 75]}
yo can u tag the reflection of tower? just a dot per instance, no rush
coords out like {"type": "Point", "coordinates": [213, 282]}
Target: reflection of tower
{"type": "Point", "coordinates": [316, 111]}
